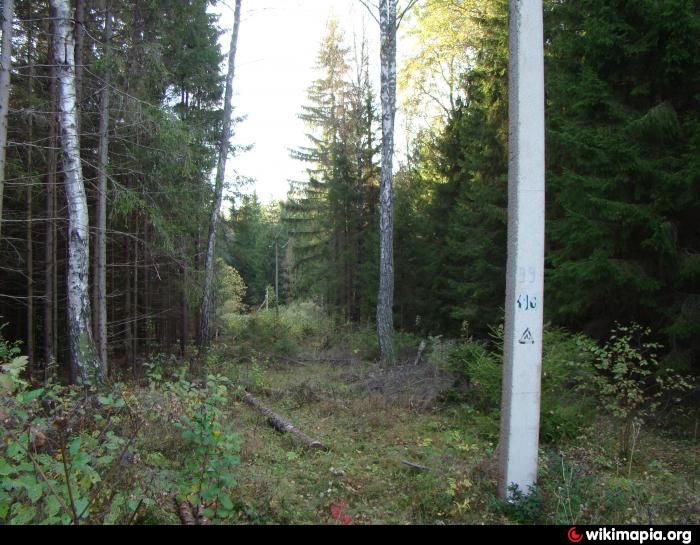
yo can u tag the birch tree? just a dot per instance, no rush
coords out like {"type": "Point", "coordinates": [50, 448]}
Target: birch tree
{"type": "Point", "coordinates": [85, 363]}
{"type": "Point", "coordinates": [388, 20]}
{"type": "Point", "coordinates": [5, 68]}
{"type": "Point", "coordinates": [219, 184]}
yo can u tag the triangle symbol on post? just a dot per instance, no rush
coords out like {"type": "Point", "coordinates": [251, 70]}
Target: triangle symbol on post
{"type": "Point", "coordinates": [527, 337]}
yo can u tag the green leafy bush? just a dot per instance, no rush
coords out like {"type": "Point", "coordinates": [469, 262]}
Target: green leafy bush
{"type": "Point", "coordinates": [630, 382]}
{"type": "Point", "coordinates": [566, 369]}
{"type": "Point", "coordinates": [54, 464]}
{"type": "Point", "coordinates": [206, 474]}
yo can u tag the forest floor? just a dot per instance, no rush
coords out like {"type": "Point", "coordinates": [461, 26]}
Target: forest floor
{"type": "Point", "coordinates": [363, 477]}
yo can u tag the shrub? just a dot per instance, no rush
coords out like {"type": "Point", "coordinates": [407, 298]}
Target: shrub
{"type": "Point", "coordinates": [566, 369]}
{"type": "Point", "coordinates": [630, 382]}
{"type": "Point", "coordinates": [206, 475]}
{"type": "Point", "coordinates": [283, 330]}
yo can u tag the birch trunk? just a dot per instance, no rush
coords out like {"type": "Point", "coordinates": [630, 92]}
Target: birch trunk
{"type": "Point", "coordinates": [85, 364]}
{"type": "Point", "coordinates": [100, 260]}
{"type": "Point", "coordinates": [5, 68]}
{"type": "Point", "coordinates": [385, 298]}
{"type": "Point", "coordinates": [219, 187]}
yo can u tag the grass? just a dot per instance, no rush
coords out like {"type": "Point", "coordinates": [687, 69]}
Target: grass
{"type": "Point", "coordinates": [581, 482]}
{"type": "Point", "coordinates": [282, 482]}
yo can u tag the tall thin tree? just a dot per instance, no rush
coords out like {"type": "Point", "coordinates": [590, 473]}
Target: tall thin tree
{"type": "Point", "coordinates": [99, 299]}
{"type": "Point", "coordinates": [30, 201]}
{"type": "Point", "coordinates": [85, 364]}
{"type": "Point", "coordinates": [219, 185]}
{"type": "Point", "coordinates": [389, 21]}
{"type": "Point", "coordinates": [5, 68]}
{"type": "Point", "coordinates": [385, 298]}
{"type": "Point", "coordinates": [50, 279]}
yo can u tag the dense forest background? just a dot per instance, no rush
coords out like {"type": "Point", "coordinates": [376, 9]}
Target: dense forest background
{"type": "Point", "coordinates": [623, 183]}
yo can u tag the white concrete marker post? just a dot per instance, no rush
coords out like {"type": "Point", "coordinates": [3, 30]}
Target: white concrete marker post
{"type": "Point", "coordinates": [522, 358]}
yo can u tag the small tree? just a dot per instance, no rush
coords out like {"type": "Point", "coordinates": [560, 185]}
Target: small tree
{"type": "Point", "coordinates": [631, 382]}
{"type": "Point", "coordinates": [229, 292]}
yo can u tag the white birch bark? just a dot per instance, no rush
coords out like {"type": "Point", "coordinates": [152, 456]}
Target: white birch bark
{"type": "Point", "coordinates": [385, 299]}
{"type": "Point", "coordinates": [100, 263]}
{"type": "Point", "coordinates": [5, 68]}
{"type": "Point", "coordinates": [85, 364]}
{"type": "Point", "coordinates": [219, 185]}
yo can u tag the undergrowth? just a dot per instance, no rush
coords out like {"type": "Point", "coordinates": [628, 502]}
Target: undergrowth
{"type": "Point", "coordinates": [415, 443]}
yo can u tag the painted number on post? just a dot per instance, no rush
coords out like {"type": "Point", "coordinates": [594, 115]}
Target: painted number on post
{"type": "Point", "coordinates": [527, 275]}
{"type": "Point", "coordinates": [527, 302]}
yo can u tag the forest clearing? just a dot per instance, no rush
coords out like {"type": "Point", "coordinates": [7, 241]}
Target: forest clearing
{"type": "Point", "coordinates": [434, 262]}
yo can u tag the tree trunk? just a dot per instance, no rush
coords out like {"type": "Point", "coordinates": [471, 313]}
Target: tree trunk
{"type": "Point", "coordinates": [135, 295]}
{"type": "Point", "coordinates": [219, 187]}
{"type": "Point", "coordinates": [100, 259]}
{"type": "Point", "coordinates": [50, 246]}
{"type": "Point", "coordinates": [5, 69]}
{"type": "Point", "coordinates": [30, 214]}
{"type": "Point", "coordinates": [79, 31]}
{"type": "Point", "coordinates": [184, 309]}
{"type": "Point", "coordinates": [85, 364]}
{"type": "Point", "coordinates": [148, 323]}
{"type": "Point", "coordinates": [385, 299]}
{"type": "Point", "coordinates": [128, 335]}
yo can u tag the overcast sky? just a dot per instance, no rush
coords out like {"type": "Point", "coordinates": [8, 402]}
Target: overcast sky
{"type": "Point", "coordinates": [277, 49]}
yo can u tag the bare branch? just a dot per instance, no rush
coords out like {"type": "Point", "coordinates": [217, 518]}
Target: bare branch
{"type": "Point", "coordinates": [408, 8]}
{"type": "Point", "coordinates": [369, 7]}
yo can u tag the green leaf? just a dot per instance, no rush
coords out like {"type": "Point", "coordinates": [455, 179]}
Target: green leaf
{"type": "Point", "coordinates": [74, 447]}
{"type": "Point", "coordinates": [5, 468]}
{"type": "Point", "coordinates": [22, 514]}
{"type": "Point", "coordinates": [80, 505]}
{"type": "Point", "coordinates": [226, 502]}
{"type": "Point", "coordinates": [51, 506]}
{"type": "Point", "coordinates": [28, 397]}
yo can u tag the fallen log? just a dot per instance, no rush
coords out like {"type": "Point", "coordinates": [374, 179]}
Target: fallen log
{"type": "Point", "coordinates": [184, 509]}
{"type": "Point", "coordinates": [415, 467]}
{"type": "Point", "coordinates": [282, 425]}
{"type": "Point", "coordinates": [190, 516]}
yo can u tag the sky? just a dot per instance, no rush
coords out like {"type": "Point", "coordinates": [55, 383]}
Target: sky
{"type": "Point", "coordinates": [277, 47]}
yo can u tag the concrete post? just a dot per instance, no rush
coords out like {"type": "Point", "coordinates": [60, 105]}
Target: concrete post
{"type": "Point", "coordinates": [522, 358]}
